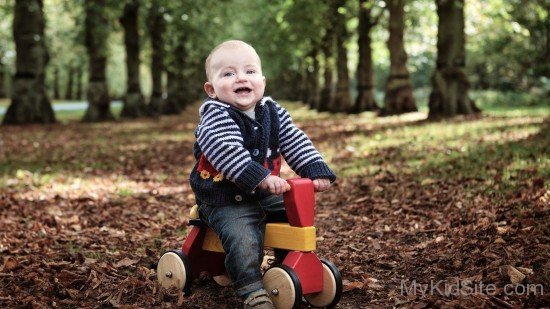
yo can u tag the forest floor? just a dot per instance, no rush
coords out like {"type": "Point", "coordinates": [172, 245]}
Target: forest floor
{"type": "Point", "coordinates": [423, 214]}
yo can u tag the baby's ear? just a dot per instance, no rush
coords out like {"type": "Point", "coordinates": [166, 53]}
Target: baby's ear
{"type": "Point", "coordinates": [209, 89]}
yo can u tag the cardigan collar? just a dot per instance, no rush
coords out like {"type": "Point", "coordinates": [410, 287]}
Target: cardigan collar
{"type": "Point", "coordinates": [209, 101]}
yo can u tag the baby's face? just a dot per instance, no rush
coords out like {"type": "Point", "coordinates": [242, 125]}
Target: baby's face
{"type": "Point", "coordinates": [236, 77]}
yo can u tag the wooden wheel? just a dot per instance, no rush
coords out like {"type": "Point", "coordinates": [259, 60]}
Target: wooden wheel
{"type": "Point", "coordinates": [332, 287]}
{"type": "Point", "coordinates": [222, 280]}
{"type": "Point", "coordinates": [173, 270]}
{"type": "Point", "coordinates": [283, 286]}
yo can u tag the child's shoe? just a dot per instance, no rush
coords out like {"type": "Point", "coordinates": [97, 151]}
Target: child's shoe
{"type": "Point", "coordinates": [258, 300]}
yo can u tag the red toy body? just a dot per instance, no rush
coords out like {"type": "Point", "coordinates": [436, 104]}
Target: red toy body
{"type": "Point", "coordinates": [301, 273]}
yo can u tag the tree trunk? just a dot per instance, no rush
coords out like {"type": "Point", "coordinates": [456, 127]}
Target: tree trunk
{"type": "Point", "coordinates": [3, 92]}
{"type": "Point", "coordinates": [312, 99]}
{"type": "Point", "coordinates": [79, 83]}
{"type": "Point", "coordinates": [450, 84]}
{"type": "Point", "coordinates": [176, 91]}
{"type": "Point", "coordinates": [342, 95]}
{"type": "Point", "coordinates": [365, 100]}
{"type": "Point", "coordinates": [69, 95]}
{"type": "Point", "coordinates": [30, 103]}
{"type": "Point", "coordinates": [96, 32]}
{"type": "Point", "coordinates": [399, 96]}
{"type": "Point", "coordinates": [157, 27]}
{"type": "Point", "coordinates": [326, 96]}
{"type": "Point", "coordinates": [56, 92]}
{"type": "Point", "coordinates": [134, 104]}
{"type": "Point", "coordinates": [174, 82]}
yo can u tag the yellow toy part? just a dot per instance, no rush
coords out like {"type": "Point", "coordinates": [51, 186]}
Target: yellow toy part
{"type": "Point", "coordinates": [212, 242]}
{"type": "Point", "coordinates": [277, 235]}
{"type": "Point", "coordinates": [194, 212]}
{"type": "Point", "coordinates": [284, 236]}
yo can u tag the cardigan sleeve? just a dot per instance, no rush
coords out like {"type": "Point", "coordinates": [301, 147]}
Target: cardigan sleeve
{"type": "Point", "coordinates": [298, 150]}
{"type": "Point", "coordinates": [221, 142]}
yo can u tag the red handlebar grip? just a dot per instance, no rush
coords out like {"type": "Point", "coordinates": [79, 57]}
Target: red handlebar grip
{"type": "Point", "coordinates": [300, 202]}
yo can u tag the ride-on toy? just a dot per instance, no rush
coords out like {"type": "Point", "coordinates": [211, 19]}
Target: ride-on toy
{"type": "Point", "coordinates": [298, 271]}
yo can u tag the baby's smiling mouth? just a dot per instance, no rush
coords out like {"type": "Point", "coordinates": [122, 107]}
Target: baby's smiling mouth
{"type": "Point", "coordinates": [243, 90]}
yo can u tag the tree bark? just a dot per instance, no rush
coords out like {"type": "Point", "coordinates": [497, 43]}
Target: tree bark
{"type": "Point", "coordinates": [365, 100]}
{"type": "Point", "coordinates": [56, 92]}
{"type": "Point", "coordinates": [399, 96]}
{"type": "Point", "coordinates": [342, 95]}
{"type": "Point", "coordinates": [69, 94]}
{"type": "Point", "coordinates": [177, 96]}
{"type": "Point", "coordinates": [96, 32]}
{"type": "Point", "coordinates": [449, 96]}
{"type": "Point", "coordinates": [134, 103]}
{"type": "Point", "coordinates": [3, 93]}
{"type": "Point", "coordinates": [157, 28]}
{"type": "Point", "coordinates": [312, 97]}
{"type": "Point", "coordinates": [79, 83]}
{"type": "Point", "coordinates": [326, 96]}
{"type": "Point", "coordinates": [30, 103]}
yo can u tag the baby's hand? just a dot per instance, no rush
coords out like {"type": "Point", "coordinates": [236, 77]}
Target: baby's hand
{"type": "Point", "coordinates": [321, 185]}
{"type": "Point", "coordinates": [275, 185]}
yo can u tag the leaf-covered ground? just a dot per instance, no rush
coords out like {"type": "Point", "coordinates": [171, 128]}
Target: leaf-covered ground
{"type": "Point", "coordinates": [85, 209]}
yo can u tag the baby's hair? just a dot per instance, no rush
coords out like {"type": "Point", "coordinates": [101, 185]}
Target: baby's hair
{"type": "Point", "coordinates": [226, 44]}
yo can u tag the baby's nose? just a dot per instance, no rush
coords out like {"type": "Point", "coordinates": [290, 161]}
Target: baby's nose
{"type": "Point", "coordinates": [241, 76]}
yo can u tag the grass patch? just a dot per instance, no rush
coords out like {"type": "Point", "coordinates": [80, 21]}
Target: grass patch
{"type": "Point", "coordinates": [125, 192]}
{"type": "Point", "coordinates": [71, 111]}
{"type": "Point", "coordinates": [504, 150]}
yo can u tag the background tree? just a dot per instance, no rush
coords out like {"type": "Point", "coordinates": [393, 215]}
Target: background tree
{"type": "Point", "coordinates": [312, 95]}
{"type": "Point", "coordinates": [399, 96]}
{"type": "Point", "coordinates": [97, 31]}
{"type": "Point", "coordinates": [184, 27]}
{"type": "Point", "coordinates": [30, 103]}
{"type": "Point", "coordinates": [342, 94]}
{"type": "Point", "coordinates": [69, 90]}
{"type": "Point", "coordinates": [175, 63]}
{"type": "Point", "coordinates": [327, 47]}
{"type": "Point", "coordinates": [449, 96]}
{"type": "Point", "coordinates": [65, 40]}
{"type": "Point", "coordinates": [365, 100]}
{"type": "Point", "coordinates": [298, 44]}
{"type": "Point", "coordinates": [303, 24]}
{"type": "Point", "coordinates": [79, 76]}
{"type": "Point", "coordinates": [3, 74]}
{"type": "Point", "coordinates": [134, 103]}
{"type": "Point", "coordinates": [56, 85]}
{"type": "Point", "coordinates": [6, 46]}
{"type": "Point", "coordinates": [156, 27]}
{"type": "Point", "coordinates": [519, 31]}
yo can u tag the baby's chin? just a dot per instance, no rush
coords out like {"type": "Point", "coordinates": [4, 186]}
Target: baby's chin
{"type": "Point", "coordinates": [244, 104]}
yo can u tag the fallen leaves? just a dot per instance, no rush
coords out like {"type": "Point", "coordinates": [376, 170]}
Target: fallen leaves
{"type": "Point", "coordinates": [366, 283]}
{"type": "Point", "coordinates": [516, 275]}
{"type": "Point", "coordinates": [10, 263]}
{"type": "Point", "coordinates": [87, 236]}
{"type": "Point", "coordinates": [126, 262]}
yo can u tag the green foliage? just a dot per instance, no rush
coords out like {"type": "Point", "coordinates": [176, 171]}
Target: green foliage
{"type": "Point", "coordinates": [65, 40]}
{"type": "Point", "coordinates": [506, 44]}
{"type": "Point", "coordinates": [285, 31]}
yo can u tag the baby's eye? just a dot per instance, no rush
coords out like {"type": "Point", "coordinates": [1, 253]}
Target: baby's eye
{"type": "Point", "coordinates": [227, 74]}
{"type": "Point", "coordinates": [250, 72]}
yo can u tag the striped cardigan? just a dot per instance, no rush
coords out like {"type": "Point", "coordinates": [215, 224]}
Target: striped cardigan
{"type": "Point", "coordinates": [234, 152]}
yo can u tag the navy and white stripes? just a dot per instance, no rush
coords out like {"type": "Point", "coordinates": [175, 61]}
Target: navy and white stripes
{"type": "Point", "coordinates": [296, 147]}
{"type": "Point", "coordinates": [240, 149]}
{"type": "Point", "coordinates": [221, 142]}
